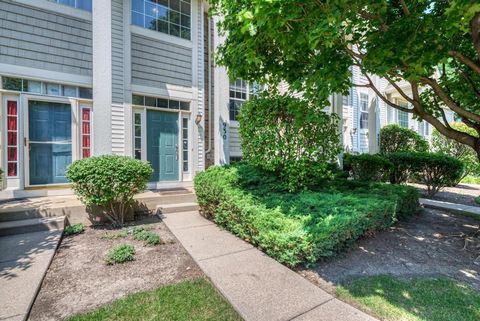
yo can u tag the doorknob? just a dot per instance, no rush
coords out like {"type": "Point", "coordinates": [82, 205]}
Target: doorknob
{"type": "Point", "coordinates": [176, 151]}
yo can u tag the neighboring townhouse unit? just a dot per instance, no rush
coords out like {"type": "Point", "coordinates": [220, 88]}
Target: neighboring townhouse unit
{"type": "Point", "coordinates": [92, 77]}
{"type": "Point", "coordinates": [131, 77]}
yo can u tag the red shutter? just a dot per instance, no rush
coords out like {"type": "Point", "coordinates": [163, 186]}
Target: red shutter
{"type": "Point", "coordinates": [12, 142]}
{"type": "Point", "coordinates": [86, 123]}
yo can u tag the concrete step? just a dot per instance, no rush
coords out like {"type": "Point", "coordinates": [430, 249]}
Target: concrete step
{"type": "Point", "coordinates": [177, 208]}
{"type": "Point", "coordinates": [32, 225]}
{"type": "Point", "coordinates": [25, 210]}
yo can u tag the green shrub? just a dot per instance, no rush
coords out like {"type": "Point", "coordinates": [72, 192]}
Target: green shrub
{"type": "Point", "coordinates": [120, 254]}
{"type": "Point", "coordinates": [444, 145]}
{"type": "Point", "coordinates": [301, 227]}
{"type": "Point", "coordinates": [436, 170]}
{"type": "Point", "coordinates": [402, 166]}
{"type": "Point", "coordinates": [110, 182]}
{"type": "Point", "coordinates": [289, 136]}
{"type": "Point", "coordinates": [74, 229]}
{"type": "Point", "coordinates": [367, 167]}
{"type": "Point", "coordinates": [148, 237]}
{"type": "Point", "coordinates": [394, 138]}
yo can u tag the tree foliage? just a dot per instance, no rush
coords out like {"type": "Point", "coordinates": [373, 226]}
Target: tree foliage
{"type": "Point", "coordinates": [430, 46]}
{"type": "Point", "coordinates": [290, 136]}
{"type": "Point", "coordinates": [465, 153]}
{"type": "Point", "coordinates": [394, 138]}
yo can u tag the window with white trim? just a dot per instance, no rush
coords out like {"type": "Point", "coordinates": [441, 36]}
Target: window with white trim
{"type": "Point", "coordinates": [402, 116]}
{"type": "Point", "coordinates": [239, 92]}
{"type": "Point", "coordinates": [137, 135]}
{"type": "Point", "coordinates": [364, 111]}
{"type": "Point", "coordinates": [185, 143]}
{"type": "Point", "coordinates": [172, 17]}
{"type": "Point", "coordinates": [45, 88]}
{"type": "Point", "coordinates": [423, 128]}
{"type": "Point", "coordinates": [86, 132]}
{"type": "Point", "coordinates": [79, 4]}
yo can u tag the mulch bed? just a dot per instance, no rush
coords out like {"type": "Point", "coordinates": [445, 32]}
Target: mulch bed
{"type": "Point", "coordinates": [460, 194]}
{"type": "Point", "coordinates": [431, 243]}
{"type": "Point", "coordinates": [78, 279]}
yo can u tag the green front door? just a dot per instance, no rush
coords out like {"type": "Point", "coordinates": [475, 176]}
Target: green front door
{"type": "Point", "coordinates": [162, 145]}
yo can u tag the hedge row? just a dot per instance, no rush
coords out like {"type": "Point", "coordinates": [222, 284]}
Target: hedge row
{"type": "Point", "coordinates": [302, 227]}
{"type": "Point", "coordinates": [432, 169]}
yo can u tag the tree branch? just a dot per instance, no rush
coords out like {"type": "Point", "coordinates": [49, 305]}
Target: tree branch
{"type": "Point", "coordinates": [405, 8]}
{"type": "Point", "coordinates": [471, 84]}
{"type": "Point", "coordinates": [449, 102]}
{"type": "Point", "coordinates": [465, 60]}
{"type": "Point", "coordinates": [400, 91]}
{"type": "Point", "coordinates": [475, 31]}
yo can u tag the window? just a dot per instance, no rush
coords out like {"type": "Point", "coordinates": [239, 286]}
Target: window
{"type": "Point", "coordinates": [160, 102]}
{"type": "Point", "coordinates": [238, 95]}
{"type": "Point", "coordinates": [86, 132]}
{"type": "Point", "coordinates": [185, 143]}
{"type": "Point", "coordinates": [363, 111]}
{"type": "Point", "coordinates": [12, 139]}
{"type": "Point", "coordinates": [167, 16]}
{"type": "Point", "coordinates": [138, 135]}
{"type": "Point", "coordinates": [423, 128]}
{"type": "Point", "coordinates": [79, 4]}
{"type": "Point", "coordinates": [45, 88]}
{"type": "Point", "coordinates": [402, 118]}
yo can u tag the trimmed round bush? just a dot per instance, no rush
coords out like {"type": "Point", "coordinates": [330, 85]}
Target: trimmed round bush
{"type": "Point", "coordinates": [290, 136]}
{"type": "Point", "coordinates": [445, 145]}
{"type": "Point", "coordinates": [436, 170]}
{"type": "Point", "coordinates": [367, 167]}
{"type": "Point", "coordinates": [110, 182]}
{"type": "Point", "coordinates": [402, 166]}
{"type": "Point", "coordinates": [394, 138]}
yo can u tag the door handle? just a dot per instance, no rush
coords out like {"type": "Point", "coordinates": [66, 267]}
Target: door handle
{"type": "Point", "coordinates": [176, 151]}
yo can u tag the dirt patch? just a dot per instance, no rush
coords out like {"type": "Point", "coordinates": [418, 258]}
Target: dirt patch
{"type": "Point", "coordinates": [461, 194]}
{"type": "Point", "coordinates": [78, 280]}
{"type": "Point", "coordinates": [431, 243]}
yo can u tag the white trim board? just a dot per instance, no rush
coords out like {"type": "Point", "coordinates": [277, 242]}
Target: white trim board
{"type": "Point", "coordinates": [45, 75]}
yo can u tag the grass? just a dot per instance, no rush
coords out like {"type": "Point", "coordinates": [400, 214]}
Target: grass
{"type": "Point", "coordinates": [120, 254]}
{"type": "Point", "coordinates": [74, 229]}
{"type": "Point", "coordinates": [421, 299]}
{"type": "Point", "coordinates": [188, 300]}
{"type": "Point", "coordinates": [471, 180]}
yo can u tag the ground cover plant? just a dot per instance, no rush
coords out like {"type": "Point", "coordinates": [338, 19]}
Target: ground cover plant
{"type": "Point", "coordinates": [120, 254]}
{"type": "Point", "coordinates": [74, 229]}
{"type": "Point", "coordinates": [421, 299]}
{"type": "Point", "coordinates": [304, 226]}
{"type": "Point", "coordinates": [187, 300]}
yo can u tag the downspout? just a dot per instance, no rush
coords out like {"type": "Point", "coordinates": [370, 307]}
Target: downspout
{"type": "Point", "coordinates": [210, 100]}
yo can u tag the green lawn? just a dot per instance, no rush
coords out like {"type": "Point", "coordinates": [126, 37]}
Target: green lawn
{"type": "Point", "coordinates": [471, 180]}
{"type": "Point", "coordinates": [193, 300]}
{"type": "Point", "coordinates": [422, 299]}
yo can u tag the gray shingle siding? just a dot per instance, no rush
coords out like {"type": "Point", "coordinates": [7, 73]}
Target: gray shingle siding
{"type": "Point", "coordinates": [156, 63]}
{"type": "Point", "coordinates": [117, 52]}
{"type": "Point", "coordinates": [32, 37]}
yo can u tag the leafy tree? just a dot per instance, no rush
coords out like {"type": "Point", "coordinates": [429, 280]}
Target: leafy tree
{"type": "Point", "coordinates": [431, 46]}
{"type": "Point", "coordinates": [394, 138]}
{"type": "Point", "coordinates": [290, 136]}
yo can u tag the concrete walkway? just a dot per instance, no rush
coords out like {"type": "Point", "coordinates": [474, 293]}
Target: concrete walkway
{"type": "Point", "coordinates": [24, 260]}
{"type": "Point", "coordinates": [453, 207]}
{"type": "Point", "coordinates": [257, 286]}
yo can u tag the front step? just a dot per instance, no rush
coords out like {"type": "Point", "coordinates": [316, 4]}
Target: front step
{"type": "Point", "coordinates": [76, 212]}
{"type": "Point", "coordinates": [32, 225]}
{"type": "Point", "coordinates": [177, 208]}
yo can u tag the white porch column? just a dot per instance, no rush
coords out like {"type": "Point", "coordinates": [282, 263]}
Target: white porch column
{"type": "Point", "coordinates": [102, 77]}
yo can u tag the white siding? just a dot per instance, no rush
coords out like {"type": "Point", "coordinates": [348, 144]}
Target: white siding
{"type": "Point", "coordinates": [118, 130]}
